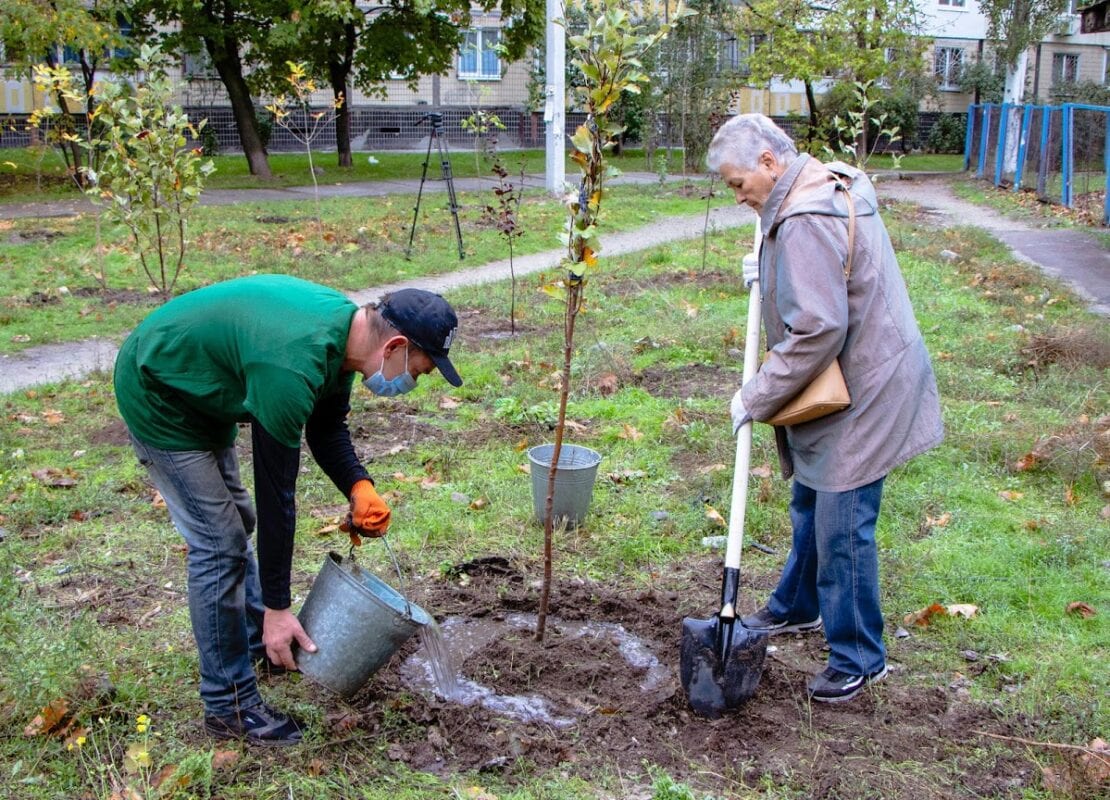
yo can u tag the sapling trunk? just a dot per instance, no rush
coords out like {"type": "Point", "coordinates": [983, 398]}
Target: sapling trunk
{"type": "Point", "coordinates": [570, 314]}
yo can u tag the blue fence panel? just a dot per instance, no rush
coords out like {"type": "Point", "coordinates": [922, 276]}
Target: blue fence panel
{"type": "Point", "coordinates": [1060, 152]}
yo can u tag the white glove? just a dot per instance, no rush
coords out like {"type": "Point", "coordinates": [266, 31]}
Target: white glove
{"type": "Point", "coordinates": [751, 269]}
{"type": "Point", "coordinates": [739, 413]}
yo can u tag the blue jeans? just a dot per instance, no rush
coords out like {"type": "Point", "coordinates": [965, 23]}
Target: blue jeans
{"type": "Point", "coordinates": [213, 512]}
{"type": "Point", "coordinates": [833, 571]}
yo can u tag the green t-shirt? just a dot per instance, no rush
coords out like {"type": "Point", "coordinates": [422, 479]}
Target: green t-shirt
{"type": "Point", "coordinates": [268, 346]}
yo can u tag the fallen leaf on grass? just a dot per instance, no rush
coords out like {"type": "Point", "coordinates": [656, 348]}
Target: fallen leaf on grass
{"type": "Point", "coordinates": [342, 721]}
{"type": "Point", "coordinates": [965, 610]}
{"type": "Point", "coordinates": [711, 468]}
{"type": "Point", "coordinates": [224, 759]}
{"type": "Point", "coordinates": [1081, 609]}
{"type": "Point", "coordinates": [324, 531]}
{"type": "Point", "coordinates": [1026, 462]}
{"type": "Point", "coordinates": [169, 781]}
{"type": "Point", "coordinates": [448, 403]}
{"type": "Point", "coordinates": [608, 384]}
{"type": "Point", "coordinates": [938, 522]}
{"type": "Point", "coordinates": [53, 416]}
{"type": "Point", "coordinates": [56, 478]}
{"type": "Point", "coordinates": [714, 516]}
{"type": "Point", "coordinates": [1096, 764]}
{"type": "Point", "coordinates": [1010, 495]}
{"type": "Point", "coordinates": [53, 720]}
{"type": "Point", "coordinates": [630, 433]}
{"type": "Point", "coordinates": [923, 617]}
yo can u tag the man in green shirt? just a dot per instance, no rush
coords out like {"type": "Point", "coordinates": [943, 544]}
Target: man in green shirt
{"type": "Point", "coordinates": [281, 354]}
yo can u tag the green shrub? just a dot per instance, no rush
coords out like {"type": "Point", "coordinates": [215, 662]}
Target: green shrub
{"type": "Point", "coordinates": [1088, 92]}
{"type": "Point", "coordinates": [948, 134]}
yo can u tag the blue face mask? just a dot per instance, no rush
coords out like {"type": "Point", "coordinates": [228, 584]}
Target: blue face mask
{"type": "Point", "coordinates": [404, 382]}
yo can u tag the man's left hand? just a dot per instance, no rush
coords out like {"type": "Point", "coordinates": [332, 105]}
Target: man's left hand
{"type": "Point", "coordinates": [279, 630]}
{"type": "Point", "coordinates": [369, 513]}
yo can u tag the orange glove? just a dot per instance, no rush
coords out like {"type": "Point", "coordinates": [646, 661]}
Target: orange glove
{"type": "Point", "coordinates": [369, 514]}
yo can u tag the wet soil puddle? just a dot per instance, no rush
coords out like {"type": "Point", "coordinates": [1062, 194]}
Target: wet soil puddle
{"type": "Point", "coordinates": [458, 639]}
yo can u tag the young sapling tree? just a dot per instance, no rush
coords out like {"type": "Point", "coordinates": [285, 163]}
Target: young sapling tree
{"type": "Point", "coordinates": [607, 55]}
{"type": "Point", "coordinates": [302, 88]}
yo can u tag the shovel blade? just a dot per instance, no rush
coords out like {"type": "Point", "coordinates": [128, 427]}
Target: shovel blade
{"type": "Point", "coordinates": [715, 686]}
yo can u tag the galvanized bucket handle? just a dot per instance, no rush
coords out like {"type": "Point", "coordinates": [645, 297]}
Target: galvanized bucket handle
{"type": "Point", "coordinates": [396, 566]}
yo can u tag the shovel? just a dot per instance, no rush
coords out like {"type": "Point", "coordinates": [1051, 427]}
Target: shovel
{"type": "Point", "coordinates": [721, 661]}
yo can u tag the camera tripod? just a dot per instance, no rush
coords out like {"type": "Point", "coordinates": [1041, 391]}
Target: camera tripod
{"type": "Point", "coordinates": [438, 137]}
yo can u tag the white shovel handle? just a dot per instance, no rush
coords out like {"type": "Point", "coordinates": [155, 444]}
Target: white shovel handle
{"type": "Point", "coordinates": [744, 436]}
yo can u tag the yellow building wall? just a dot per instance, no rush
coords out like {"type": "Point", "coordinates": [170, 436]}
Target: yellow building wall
{"type": "Point", "coordinates": [772, 102]}
{"type": "Point", "coordinates": [19, 96]}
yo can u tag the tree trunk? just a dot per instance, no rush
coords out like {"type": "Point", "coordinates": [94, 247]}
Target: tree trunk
{"type": "Point", "coordinates": [811, 101]}
{"type": "Point", "coordinates": [1014, 94]}
{"type": "Point", "coordinates": [338, 78]}
{"type": "Point", "coordinates": [224, 53]}
{"type": "Point", "coordinates": [71, 150]}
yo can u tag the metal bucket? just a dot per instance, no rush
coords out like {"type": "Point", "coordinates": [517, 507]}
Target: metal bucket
{"type": "Point", "coordinates": [357, 621]}
{"type": "Point", "coordinates": [574, 481]}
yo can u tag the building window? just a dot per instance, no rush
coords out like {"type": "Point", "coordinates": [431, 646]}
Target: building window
{"type": "Point", "coordinates": [947, 66]}
{"type": "Point", "coordinates": [1065, 68]}
{"type": "Point", "coordinates": [728, 54]}
{"type": "Point", "coordinates": [198, 66]}
{"type": "Point", "coordinates": [736, 53]}
{"type": "Point", "coordinates": [952, 3]}
{"type": "Point", "coordinates": [479, 57]}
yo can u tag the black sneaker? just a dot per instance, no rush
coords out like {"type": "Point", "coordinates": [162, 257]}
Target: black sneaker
{"type": "Point", "coordinates": [764, 620]}
{"type": "Point", "coordinates": [258, 724]}
{"type": "Point", "coordinates": [833, 686]}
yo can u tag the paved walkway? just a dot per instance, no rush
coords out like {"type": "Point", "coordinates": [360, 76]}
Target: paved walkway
{"type": "Point", "coordinates": [1075, 257]}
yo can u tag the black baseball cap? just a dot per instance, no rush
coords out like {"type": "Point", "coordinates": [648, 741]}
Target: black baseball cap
{"type": "Point", "coordinates": [428, 321]}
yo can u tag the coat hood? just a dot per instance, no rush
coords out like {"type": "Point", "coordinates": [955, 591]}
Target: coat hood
{"type": "Point", "coordinates": [810, 187]}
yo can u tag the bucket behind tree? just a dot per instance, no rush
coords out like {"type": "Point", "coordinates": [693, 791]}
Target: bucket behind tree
{"type": "Point", "coordinates": [357, 622]}
{"type": "Point", "coordinates": [574, 481]}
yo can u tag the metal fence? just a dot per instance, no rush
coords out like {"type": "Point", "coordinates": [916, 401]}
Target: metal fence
{"type": "Point", "coordinates": [1059, 152]}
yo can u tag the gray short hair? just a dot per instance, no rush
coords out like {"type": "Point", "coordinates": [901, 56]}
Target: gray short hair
{"type": "Point", "coordinates": [741, 139]}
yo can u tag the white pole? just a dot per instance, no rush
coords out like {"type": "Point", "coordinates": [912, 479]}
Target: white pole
{"type": "Point", "coordinates": [554, 111]}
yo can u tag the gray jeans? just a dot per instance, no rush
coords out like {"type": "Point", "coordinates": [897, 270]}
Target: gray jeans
{"type": "Point", "coordinates": [213, 512]}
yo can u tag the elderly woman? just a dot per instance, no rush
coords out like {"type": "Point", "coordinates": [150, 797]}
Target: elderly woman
{"type": "Point", "coordinates": [815, 310]}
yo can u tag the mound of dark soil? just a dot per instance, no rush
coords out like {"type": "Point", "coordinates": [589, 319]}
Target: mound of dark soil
{"type": "Point", "coordinates": [910, 737]}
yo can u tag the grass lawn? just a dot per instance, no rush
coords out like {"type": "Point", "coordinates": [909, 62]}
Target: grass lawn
{"type": "Point", "coordinates": [51, 289]}
{"type": "Point", "coordinates": [1009, 515]}
{"type": "Point", "coordinates": [24, 171]}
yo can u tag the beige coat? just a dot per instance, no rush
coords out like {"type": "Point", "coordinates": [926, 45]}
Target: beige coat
{"type": "Point", "coordinates": [812, 315]}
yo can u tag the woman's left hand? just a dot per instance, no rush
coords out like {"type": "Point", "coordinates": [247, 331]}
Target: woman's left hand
{"type": "Point", "coordinates": [740, 414]}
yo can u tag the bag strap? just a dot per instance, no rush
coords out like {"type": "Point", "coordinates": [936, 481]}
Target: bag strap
{"type": "Point", "coordinates": [851, 229]}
